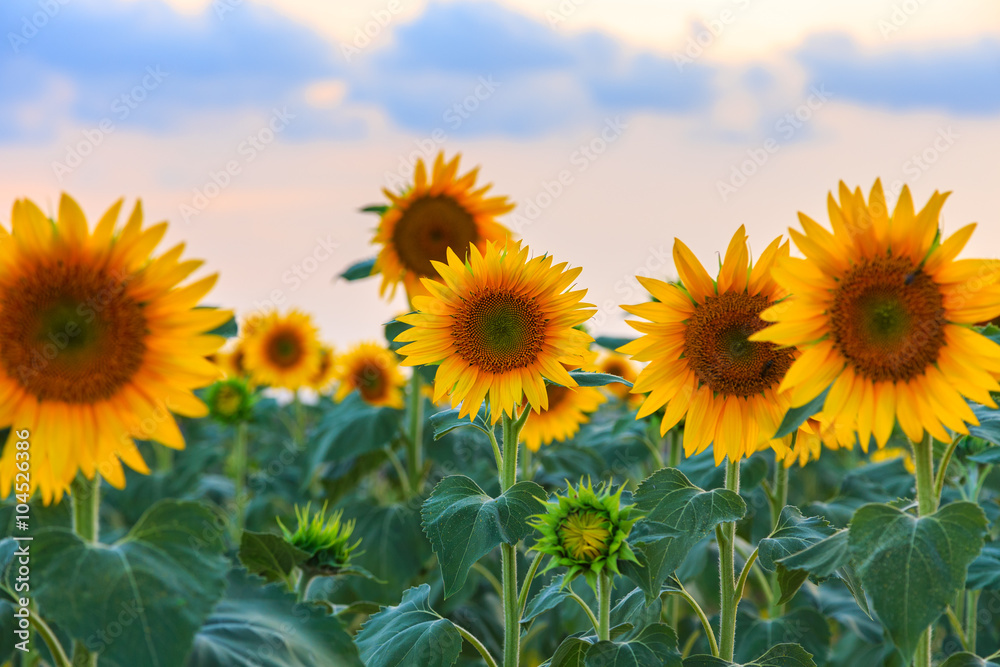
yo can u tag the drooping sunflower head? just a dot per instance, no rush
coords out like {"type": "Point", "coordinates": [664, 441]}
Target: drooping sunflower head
{"type": "Point", "coordinates": [230, 401]}
{"type": "Point", "coordinates": [327, 371]}
{"type": "Point", "coordinates": [585, 532]}
{"type": "Point", "coordinates": [326, 538]}
{"type": "Point", "coordinates": [702, 362]}
{"type": "Point", "coordinates": [568, 409]}
{"type": "Point", "coordinates": [282, 350]}
{"type": "Point", "coordinates": [623, 367]}
{"type": "Point", "coordinates": [98, 343]}
{"type": "Point", "coordinates": [446, 213]}
{"type": "Point", "coordinates": [498, 324]}
{"type": "Point", "coordinates": [370, 369]}
{"type": "Point", "coordinates": [881, 312]}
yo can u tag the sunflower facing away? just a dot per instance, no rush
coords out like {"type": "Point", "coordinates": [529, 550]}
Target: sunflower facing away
{"type": "Point", "coordinates": [98, 343]}
{"type": "Point", "coordinates": [568, 410]}
{"type": "Point", "coordinates": [499, 325]}
{"type": "Point", "coordinates": [447, 213]}
{"type": "Point", "coordinates": [282, 350]}
{"type": "Point", "coordinates": [373, 371]}
{"type": "Point", "coordinates": [701, 361]}
{"type": "Point", "coordinates": [881, 312]}
{"type": "Point", "coordinates": [326, 372]}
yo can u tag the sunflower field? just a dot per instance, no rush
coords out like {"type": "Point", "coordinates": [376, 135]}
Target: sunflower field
{"type": "Point", "coordinates": [794, 462]}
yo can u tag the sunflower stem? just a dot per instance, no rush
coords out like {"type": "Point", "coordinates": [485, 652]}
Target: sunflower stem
{"type": "Point", "coordinates": [478, 645]}
{"type": "Point", "coordinates": [778, 501]}
{"type": "Point", "coordinates": [682, 592]}
{"type": "Point", "coordinates": [604, 588]}
{"type": "Point", "coordinates": [522, 599]}
{"type": "Point", "coordinates": [302, 588]}
{"type": "Point", "coordinates": [85, 495]}
{"type": "Point", "coordinates": [675, 447]}
{"type": "Point", "coordinates": [415, 442]}
{"type": "Point", "coordinates": [511, 610]}
{"type": "Point", "coordinates": [586, 609]}
{"type": "Point", "coordinates": [238, 465]}
{"type": "Point", "coordinates": [971, 620]}
{"type": "Point", "coordinates": [300, 422]}
{"type": "Point", "coordinates": [51, 641]}
{"type": "Point", "coordinates": [726, 537]}
{"type": "Point", "coordinates": [943, 468]}
{"type": "Point", "coordinates": [923, 458]}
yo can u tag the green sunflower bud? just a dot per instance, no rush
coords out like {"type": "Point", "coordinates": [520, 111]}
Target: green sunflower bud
{"type": "Point", "coordinates": [585, 531]}
{"type": "Point", "coordinates": [230, 401]}
{"type": "Point", "coordinates": [327, 540]}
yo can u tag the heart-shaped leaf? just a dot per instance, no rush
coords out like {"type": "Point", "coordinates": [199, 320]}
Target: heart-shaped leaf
{"type": "Point", "coordinates": [167, 572]}
{"type": "Point", "coordinates": [464, 524]}
{"type": "Point", "coordinates": [914, 567]}
{"type": "Point", "coordinates": [803, 626]}
{"type": "Point", "coordinates": [653, 646]}
{"type": "Point", "coordinates": [410, 634]}
{"type": "Point", "coordinates": [782, 655]}
{"type": "Point", "coordinates": [353, 427]}
{"type": "Point", "coordinates": [270, 556]}
{"type": "Point", "coordinates": [667, 497]}
{"type": "Point", "coordinates": [793, 534]}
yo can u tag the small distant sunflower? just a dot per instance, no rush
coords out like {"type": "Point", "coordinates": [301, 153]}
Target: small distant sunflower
{"type": "Point", "coordinates": [431, 218]}
{"type": "Point", "coordinates": [230, 401]}
{"type": "Point", "coordinates": [585, 531]}
{"type": "Point", "coordinates": [373, 371]}
{"type": "Point", "coordinates": [499, 325]}
{"type": "Point", "coordinates": [283, 350]}
{"type": "Point", "coordinates": [326, 538]}
{"type": "Point", "coordinates": [893, 453]}
{"type": "Point", "coordinates": [326, 372]}
{"type": "Point", "coordinates": [812, 436]}
{"type": "Point", "coordinates": [98, 343]}
{"type": "Point", "coordinates": [568, 410]}
{"type": "Point", "coordinates": [623, 367]}
{"type": "Point", "coordinates": [881, 312]}
{"type": "Point", "coordinates": [702, 363]}
{"type": "Point", "coordinates": [231, 362]}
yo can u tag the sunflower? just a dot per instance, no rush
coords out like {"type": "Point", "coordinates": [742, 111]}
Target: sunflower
{"type": "Point", "coordinates": [423, 223]}
{"type": "Point", "coordinates": [230, 401]}
{"type": "Point", "coordinates": [623, 367]}
{"type": "Point", "coordinates": [701, 362]}
{"type": "Point", "coordinates": [893, 453]}
{"type": "Point", "coordinates": [499, 325]}
{"type": "Point", "coordinates": [98, 344]}
{"type": "Point", "coordinates": [568, 410]}
{"type": "Point", "coordinates": [231, 362]}
{"type": "Point", "coordinates": [373, 371]}
{"type": "Point", "coordinates": [282, 350]}
{"type": "Point", "coordinates": [880, 311]}
{"type": "Point", "coordinates": [812, 436]}
{"type": "Point", "coordinates": [325, 373]}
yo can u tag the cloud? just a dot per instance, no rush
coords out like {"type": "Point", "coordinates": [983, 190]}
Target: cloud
{"type": "Point", "coordinates": [958, 80]}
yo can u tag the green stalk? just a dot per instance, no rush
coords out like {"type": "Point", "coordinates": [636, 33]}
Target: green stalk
{"type": "Point", "coordinates": [726, 537]}
{"type": "Point", "coordinates": [85, 496]}
{"type": "Point", "coordinates": [923, 458]}
{"type": "Point", "coordinates": [415, 442]}
{"type": "Point", "coordinates": [238, 465]}
{"type": "Point", "coordinates": [778, 499]}
{"type": "Point", "coordinates": [478, 645]}
{"type": "Point", "coordinates": [300, 422]}
{"type": "Point", "coordinates": [604, 587]}
{"type": "Point", "coordinates": [674, 460]}
{"type": "Point", "coordinates": [971, 621]}
{"type": "Point", "coordinates": [50, 639]}
{"type": "Point", "coordinates": [675, 447]}
{"type": "Point", "coordinates": [681, 592]}
{"type": "Point", "coordinates": [302, 588]}
{"type": "Point", "coordinates": [508, 552]}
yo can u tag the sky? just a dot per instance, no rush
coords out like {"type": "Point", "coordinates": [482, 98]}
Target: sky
{"type": "Point", "coordinates": [259, 128]}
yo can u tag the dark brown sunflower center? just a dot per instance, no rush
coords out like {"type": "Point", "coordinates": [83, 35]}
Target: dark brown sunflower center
{"type": "Point", "coordinates": [888, 319]}
{"type": "Point", "coordinates": [369, 379]}
{"type": "Point", "coordinates": [428, 228]}
{"type": "Point", "coordinates": [717, 348]}
{"type": "Point", "coordinates": [284, 348]}
{"type": "Point", "coordinates": [498, 331]}
{"type": "Point", "coordinates": [71, 333]}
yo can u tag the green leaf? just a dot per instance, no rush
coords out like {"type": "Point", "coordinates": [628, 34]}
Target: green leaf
{"type": "Point", "coordinates": [793, 534]}
{"type": "Point", "coordinates": [571, 652]}
{"type": "Point", "coordinates": [967, 660]}
{"type": "Point", "coordinates": [353, 427]}
{"type": "Point", "coordinates": [409, 635]}
{"type": "Point", "coordinates": [914, 567]}
{"type": "Point", "coordinates": [464, 524]}
{"type": "Point", "coordinates": [990, 455]}
{"type": "Point", "coordinates": [668, 497]}
{"type": "Point", "coordinates": [988, 428]}
{"type": "Point", "coordinates": [795, 417]}
{"type": "Point", "coordinates": [802, 626]}
{"type": "Point", "coordinates": [782, 655]}
{"type": "Point", "coordinates": [447, 421]}
{"type": "Point", "coordinates": [789, 582]}
{"type": "Point", "coordinates": [392, 329]}
{"type": "Point", "coordinates": [822, 558]}
{"type": "Point", "coordinates": [359, 270]}
{"type": "Point", "coordinates": [157, 584]}
{"type": "Point", "coordinates": [546, 599]}
{"type": "Point", "coordinates": [227, 329]}
{"type": "Point", "coordinates": [984, 571]}
{"type": "Point", "coordinates": [589, 379]}
{"type": "Point", "coordinates": [269, 555]}
{"type": "Point", "coordinates": [252, 627]}
{"type": "Point", "coordinates": [653, 646]}
{"type": "Point", "coordinates": [380, 209]}
{"type": "Point", "coordinates": [8, 625]}
{"type": "Point", "coordinates": [612, 342]}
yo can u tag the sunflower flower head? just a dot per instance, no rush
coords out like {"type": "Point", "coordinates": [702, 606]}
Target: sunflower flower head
{"type": "Point", "coordinates": [282, 350]}
{"type": "Point", "coordinates": [585, 532]}
{"type": "Point", "coordinates": [230, 401]}
{"type": "Point", "coordinates": [620, 365]}
{"type": "Point", "coordinates": [232, 362]}
{"type": "Point", "coordinates": [498, 325]}
{"type": "Point", "coordinates": [445, 212]}
{"type": "Point", "coordinates": [327, 371]}
{"type": "Point", "coordinates": [881, 311]}
{"type": "Point", "coordinates": [703, 364]}
{"type": "Point", "coordinates": [568, 410]}
{"type": "Point", "coordinates": [99, 343]}
{"type": "Point", "coordinates": [326, 538]}
{"type": "Point", "coordinates": [815, 434]}
{"type": "Point", "coordinates": [372, 370]}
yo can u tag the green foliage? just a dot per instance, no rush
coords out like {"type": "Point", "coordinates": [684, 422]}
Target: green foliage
{"type": "Point", "coordinates": [795, 417]}
{"type": "Point", "coordinates": [653, 646]}
{"type": "Point", "coordinates": [967, 660]}
{"type": "Point", "coordinates": [410, 634]}
{"type": "Point", "coordinates": [782, 655]}
{"type": "Point", "coordinates": [270, 556]}
{"type": "Point", "coordinates": [464, 524]}
{"type": "Point", "coordinates": [914, 567]}
{"type": "Point", "coordinates": [359, 270]}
